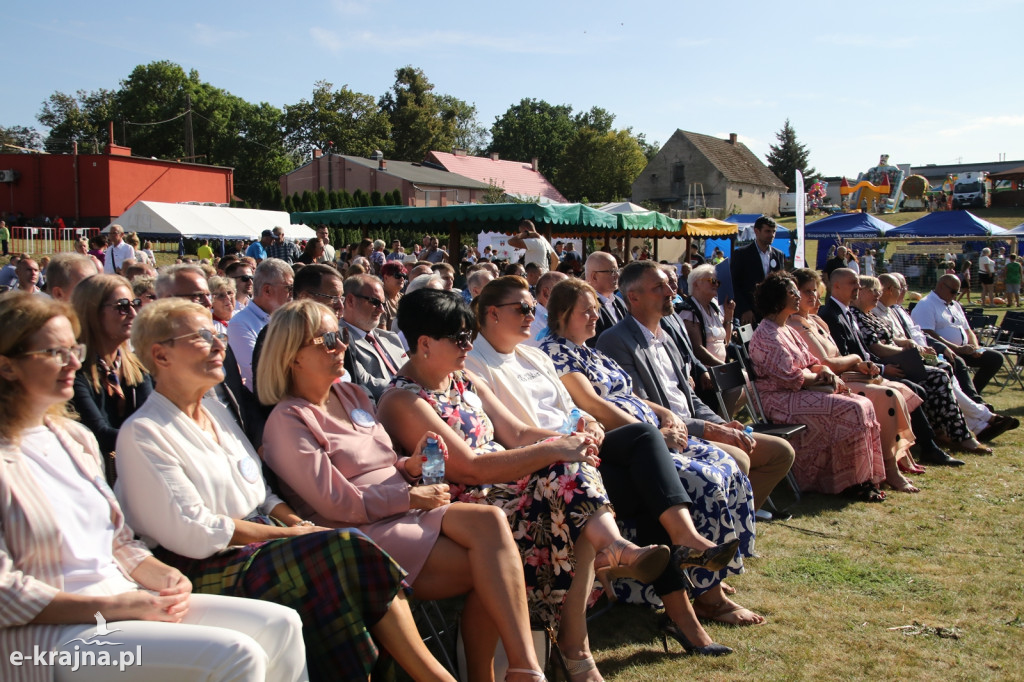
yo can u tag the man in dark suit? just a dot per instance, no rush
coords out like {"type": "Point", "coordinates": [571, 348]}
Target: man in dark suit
{"type": "Point", "coordinates": [374, 355]}
{"type": "Point", "coordinates": [602, 273]}
{"type": "Point", "coordinates": [661, 373]}
{"type": "Point", "coordinates": [844, 329]}
{"type": "Point", "coordinates": [750, 264]}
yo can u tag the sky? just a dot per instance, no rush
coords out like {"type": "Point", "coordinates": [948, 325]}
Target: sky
{"type": "Point", "coordinates": [936, 82]}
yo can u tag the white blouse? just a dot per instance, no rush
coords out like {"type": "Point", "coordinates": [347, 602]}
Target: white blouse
{"type": "Point", "coordinates": [181, 489]}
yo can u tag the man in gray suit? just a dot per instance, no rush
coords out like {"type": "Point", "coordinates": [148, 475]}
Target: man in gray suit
{"type": "Point", "coordinates": [661, 373]}
{"type": "Point", "coordinates": [374, 355]}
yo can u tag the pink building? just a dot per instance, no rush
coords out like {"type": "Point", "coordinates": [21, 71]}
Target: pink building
{"type": "Point", "coordinates": [518, 179]}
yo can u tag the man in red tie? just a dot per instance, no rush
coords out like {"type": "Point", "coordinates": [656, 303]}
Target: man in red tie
{"type": "Point", "coordinates": [374, 355]}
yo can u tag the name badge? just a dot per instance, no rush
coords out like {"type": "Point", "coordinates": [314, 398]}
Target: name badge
{"type": "Point", "coordinates": [361, 417]}
{"type": "Point", "coordinates": [249, 469]}
{"type": "Point", "coordinates": [773, 263]}
{"type": "Point", "coordinates": [472, 399]}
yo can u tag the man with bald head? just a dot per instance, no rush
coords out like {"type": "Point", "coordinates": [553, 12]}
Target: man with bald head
{"type": "Point", "coordinates": [602, 272]}
{"type": "Point", "coordinates": [539, 326]}
{"type": "Point", "coordinates": [64, 273]}
{"type": "Point", "coordinates": [941, 317]}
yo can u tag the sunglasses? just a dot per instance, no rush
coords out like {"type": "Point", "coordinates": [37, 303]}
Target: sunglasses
{"type": "Point", "coordinates": [524, 308]}
{"type": "Point", "coordinates": [400, 275]}
{"type": "Point", "coordinates": [372, 300]}
{"type": "Point", "coordinates": [335, 301]}
{"type": "Point", "coordinates": [206, 335]}
{"type": "Point", "coordinates": [463, 340]}
{"type": "Point", "coordinates": [244, 278]}
{"type": "Point", "coordinates": [61, 354]}
{"type": "Point", "coordinates": [714, 282]}
{"type": "Point", "coordinates": [124, 306]}
{"type": "Point", "coordinates": [332, 342]}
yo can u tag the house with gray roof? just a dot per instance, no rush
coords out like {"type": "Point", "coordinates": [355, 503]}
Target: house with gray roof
{"type": "Point", "coordinates": [420, 185]}
{"type": "Point", "coordinates": [694, 170]}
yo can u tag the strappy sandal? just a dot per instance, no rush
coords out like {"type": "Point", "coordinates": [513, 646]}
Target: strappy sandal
{"type": "Point", "coordinates": [526, 671]}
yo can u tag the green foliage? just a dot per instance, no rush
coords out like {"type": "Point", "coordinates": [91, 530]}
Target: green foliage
{"type": "Point", "coordinates": [789, 156]}
{"type": "Point", "coordinates": [376, 199]}
{"type": "Point", "coordinates": [81, 117]}
{"type": "Point", "coordinates": [396, 197]}
{"type": "Point", "coordinates": [288, 205]}
{"type": "Point", "coordinates": [351, 120]}
{"type": "Point", "coordinates": [308, 201]}
{"type": "Point", "coordinates": [601, 165]}
{"type": "Point", "coordinates": [360, 198]}
{"type": "Point", "coordinates": [322, 202]}
{"type": "Point", "coordinates": [19, 136]}
{"type": "Point", "coordinates": [388, 199]}
{"type": "Point", "coordinates": [534, 128]}
{"type": "Point", "coordinates": [494, 194]}
{"type": "Point", "coordinates": [334, 199]}
{"type": "Point", "coordinates": [276, 200]}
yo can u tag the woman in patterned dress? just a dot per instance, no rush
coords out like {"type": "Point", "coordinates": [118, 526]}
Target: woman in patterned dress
{"type": "Point", "coordinates": [547, 483]}
{"type": "Point", "coordinates": [892, 400]}
{"type": "Point", "coordinates": [723, 502]}
{"type": "Point", "coordinates": [840, 450]}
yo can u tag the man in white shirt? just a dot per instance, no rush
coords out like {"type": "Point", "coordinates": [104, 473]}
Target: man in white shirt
{"type": "Point", "coordinates": [941, 317]}
{"type": "Point", "coordinates": [539, 326]}
{"type": "Point", "coordinates": [323, 234]}
{"type": "Point", "coordinates": [272, 288]}
{"type": "Point", "coordinates": [117, 252]}
{"type": "Point", "coordinates": [538, 249]}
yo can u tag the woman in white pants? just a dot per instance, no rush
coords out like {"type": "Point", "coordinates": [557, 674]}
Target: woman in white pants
{"type": "Point", "coordinates": [80, 599]}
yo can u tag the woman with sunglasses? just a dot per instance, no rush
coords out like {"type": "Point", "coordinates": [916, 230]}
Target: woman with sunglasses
{"type": "Point", "coordinates": [111, 383]}
{"type": "Point", "coordinates": [192, 487]}
{"type": "Point", "coordinates": [546, 481]}
{"type": "Point", "coordinates": [337, 468]}
{"type": "Point", "coordinates": [393, 277]}
{"type": "Point", "coordinates": [66, 553]}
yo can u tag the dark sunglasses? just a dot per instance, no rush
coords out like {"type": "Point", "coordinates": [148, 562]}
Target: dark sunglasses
{"type": "Point", "coordinates": [400, 275]}
{"type": "Point", "coordinates": [714, 282]}
{"type": "Point", "coordinates": [372, 300]}
{"type": "Point", "coordinates": [463, 339]}
{"type": "Point", "coordinates": [245, 278]}
{"type": "Point", "coordinates": [123, 305]}
{"type": "Point", "coordinates": [206, 335]}
{"type": "Point", "coordinates": [331, 341]}
{"type": "Point", "coordinates": [524, 308]}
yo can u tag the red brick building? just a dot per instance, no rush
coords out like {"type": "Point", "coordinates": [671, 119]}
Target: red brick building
{"type": "Point", "coordinates": [93, 189]}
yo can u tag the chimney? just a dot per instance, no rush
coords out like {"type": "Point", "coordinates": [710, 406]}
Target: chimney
{"type": "Point", "coordinates": [459, 152]}
{"type": "Point", "coordinates": [317, 153]}
{"type": "Point", "coordinates": [732, 138]}
{"type": "Point", "coordinates": [494, 156]}
{"type": "Point", "coordinates": [382, 165]}
{"type": "Point", "coordinates": [534, 162]}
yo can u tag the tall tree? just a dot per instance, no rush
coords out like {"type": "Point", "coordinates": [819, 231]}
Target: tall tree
{"type": "Point", "coordinates": [789, 156]}
{"type": "Point", "coordinates": [19, 138]}
{"type": "Point", "coordinates": [467, 131]}
{"type": "Point", "coordinates": [81, 118]}
{"type": "Point", "coordinates": [600, 166]}
{"type": "Point", "coordinates": [534, 128]}
{"type": "Point", "coordinates": [349, 119]}
{"type": "Point", "coordinates": [417, 121]}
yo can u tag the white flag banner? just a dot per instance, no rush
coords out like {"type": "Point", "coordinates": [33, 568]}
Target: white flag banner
{"type": "Point", "coordinates": [801, 205]}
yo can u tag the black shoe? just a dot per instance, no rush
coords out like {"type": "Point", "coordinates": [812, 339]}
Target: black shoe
{"type": "Point", "coordinates": [712, 559]}
{"type": "Point", "coordinates": [938, 456]}
{"type": "Point", "coordinates": [997, 427]}
{"type": "Point", "coordinates": [669, 629]}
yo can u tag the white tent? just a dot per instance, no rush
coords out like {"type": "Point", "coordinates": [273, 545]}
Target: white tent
{"type": "Point", "coordinates": [622, 207]}
{"type": "Point", "coordinates": [168, 222]}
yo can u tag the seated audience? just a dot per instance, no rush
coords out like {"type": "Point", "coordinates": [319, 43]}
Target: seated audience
{"type": "Point", "coordinates": [272, 288]}
{"type": "Point", "coordinates": [722, 506]}
{"type": "Point", "coordinates": [67, 557]}
{"type": "Point", "coordinates": [313, 253]}
{"type": "Point", "coordinates": [111, 383]}
{"type": "Point", "coordinates": [840, 450]}
{"type": "Point", "coordinates": [66, 270]}
{"type": "Point", "coordinates": [191, 486]}
{"type": "Point", "coordinates": [337, 468]}
{"type": "Point", "coordinates": [547, 483]}
{"type": "Point", "coordinates": [374, 355]}
{"type": "Point", "coordinates": [393, 278]}
{"type": "Point", "coordinates": [539, 326]}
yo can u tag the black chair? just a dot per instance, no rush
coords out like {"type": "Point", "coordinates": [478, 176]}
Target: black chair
{"type": "Point", "coordinates": [1008, 339]}
{"type": "Point", "coordinates": [730, 376]}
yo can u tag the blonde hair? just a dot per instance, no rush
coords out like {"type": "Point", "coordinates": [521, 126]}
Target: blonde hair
{"type": "Point", "coordinates": [87, 299]}
{"type": "Point", "coordinates": [158, 322]}
{"type": "Point", "coordinates": [22, 315]}
{"type": "Point", "coordinates": [291, 326]}
{"type": "Point", "coordinates": [220, 284]}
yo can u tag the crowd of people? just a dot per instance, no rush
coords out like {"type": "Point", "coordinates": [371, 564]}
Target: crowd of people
{"type": "Point", "coordinates": [225, 458]}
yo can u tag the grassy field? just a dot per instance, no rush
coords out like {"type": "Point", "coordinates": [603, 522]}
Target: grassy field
{"type": "Point", "coordinates": [924, 587]}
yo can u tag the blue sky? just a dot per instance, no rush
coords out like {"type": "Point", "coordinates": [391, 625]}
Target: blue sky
{"type": "Point", "coordinates": [923, 82]}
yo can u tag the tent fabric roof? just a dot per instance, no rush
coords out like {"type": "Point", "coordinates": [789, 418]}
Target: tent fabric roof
{"type": "Point", "coordinates": [1011, 174]}
{"type": "Point", "coordinates": [848, 223]}
{"type": "Point", "coordinates": [947, 224]}
{"type": "Point", "coordinates": [515, 177]}
{"type": "Point", "coordinates": [153, 219]}
{"type": "Point", "coordinates": [1016, 230]}
{"type": "Point", "coordinates": [622, 207]}
{"type": "Point", "coordinates": [734, 161]}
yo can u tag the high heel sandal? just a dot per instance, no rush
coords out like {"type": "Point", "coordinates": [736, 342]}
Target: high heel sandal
{"type": "Point", "coordinates": [712, 559]}
{"type": "Point", "coordinates": [669, 629]}
{"type": "Point", "coordinates": [526, 671]}
{"type": "Point", "coordinates": [623, 559]}
{"type": "Point", "coordinates": [908, 466]}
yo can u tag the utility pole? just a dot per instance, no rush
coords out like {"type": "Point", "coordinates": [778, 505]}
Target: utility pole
{"type": "Point", "coordinates": [190, 147]}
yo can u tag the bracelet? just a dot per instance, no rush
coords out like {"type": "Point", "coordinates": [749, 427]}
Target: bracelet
{"type": "Point", "coordinates": [305, 522]}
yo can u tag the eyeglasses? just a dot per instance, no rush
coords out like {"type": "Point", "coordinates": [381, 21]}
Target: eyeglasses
{"type": "Point", "coordinates": [123, 305]}
{"type": "Point", "coordinates": [206, 335]}
{"type": "Point", "coordinates": [331, 341]}
{"type": "Point", "coordinates": [61, 354]}
{"type": "Point", "coordinates": [372, 300]}
{"type": "Point", "coordinates": [400, 275]}
{"type": "Point", "coordinates": [148, 297]}
{"type": "Point", "coordinates": [524, 308]}
{"type": "Point", "coordinates": [463, 339]}
{"type": "Point", "coordinates": [287, 287]}
{"type": "Point", "coordinates": [197, 297]}
{"type": "Point", "coordinates": [224, 294]}
{"type": "Point", "coordinates": [243, 278]}
{"type": "Point", "coordinates": [335, 301]}
{"type": "Point", "coordinates": [714, 282]}
{"type": "Point", "coordinates": [613, 271]}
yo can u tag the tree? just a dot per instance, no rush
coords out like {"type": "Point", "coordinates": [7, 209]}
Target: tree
{"type": "Point", "coordinates": [467, 132]}
{"type": "Point", "coordinates": [19, 138]}
{"type": "Point", "coordinates": [601, 165]}
{"type": "Point", "coordinates": [789, 156]}
{"type": "Point", "coordinates": [415, 114]}
{"type": "Point", "coordinates": [534, 128]}
{"type": "Point", "coordinates": [81, 118]}
{"type": "Point", "coordinates": [351, 120]}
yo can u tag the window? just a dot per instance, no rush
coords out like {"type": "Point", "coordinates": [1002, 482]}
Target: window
{"type": "Point", "coordinates": [741, 194]}
{"type": "Point", "coordinates": [679, 173]}
{"type": "Point", "coordinates": [762, 195]}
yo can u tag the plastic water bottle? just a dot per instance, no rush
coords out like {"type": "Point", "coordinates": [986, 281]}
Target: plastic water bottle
{"type": "Point", "coordinates": [749, 430]}
{"type": "Point", "coordinates": [570, 423]}
{"type": "Point", "coordinates": [433, 467]}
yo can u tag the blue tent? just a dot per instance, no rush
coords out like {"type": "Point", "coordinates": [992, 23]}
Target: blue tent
{"type": "Point", "coordinates": [1019, 230]}
{"type": "Point", "coordinates": [947, 224]}
{"type": "Point", "coordinates": [847, 225]}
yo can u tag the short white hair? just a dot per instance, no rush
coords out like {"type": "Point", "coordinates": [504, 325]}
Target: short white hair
{"type": "Point", "coordinates": [432, 281]}
{"type": "Point", "coordinates": [700, 272]}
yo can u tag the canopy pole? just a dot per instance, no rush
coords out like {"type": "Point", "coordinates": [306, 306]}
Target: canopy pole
{"type": "Point", "coordinates": [655, 249]}
{"type": "Point", "coordinates": [686, 249]}
{"type": "Point", "coordinates": [626, 253]}
{"type": "Point", "coordinates": [453, 245]}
